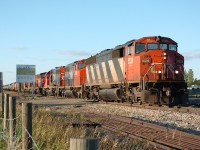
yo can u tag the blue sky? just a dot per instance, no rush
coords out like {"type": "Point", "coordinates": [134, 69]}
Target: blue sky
{"type": "Point", "coordinates": [51, 33]}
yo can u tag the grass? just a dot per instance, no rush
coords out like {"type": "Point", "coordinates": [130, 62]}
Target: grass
{"type": "Point", "coordinates": [53, 130]}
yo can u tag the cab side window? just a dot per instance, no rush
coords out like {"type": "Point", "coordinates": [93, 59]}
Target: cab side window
{"type": "Point", "coordinates": [139, 48]}
{"type": "Point", "coordinates": [129, 50]}
{"type": "Point", "coordinates": [80, 66]}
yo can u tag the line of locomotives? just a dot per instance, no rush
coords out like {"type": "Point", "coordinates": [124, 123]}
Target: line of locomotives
{"type": "Point", "coordinates": [149, 69]}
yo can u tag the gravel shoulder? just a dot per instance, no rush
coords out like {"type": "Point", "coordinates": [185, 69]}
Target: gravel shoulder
{"type": "Point", "coordinates": [187, 122]}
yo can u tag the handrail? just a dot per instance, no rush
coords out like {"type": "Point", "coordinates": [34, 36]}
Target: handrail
{"type": "Point", "coordinates": [169, 66]}
{"type": "Point", "coordinates": [152, 65]}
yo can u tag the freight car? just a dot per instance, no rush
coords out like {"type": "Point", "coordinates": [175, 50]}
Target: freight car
{"type": "Point", "coordinates": [148, 69]}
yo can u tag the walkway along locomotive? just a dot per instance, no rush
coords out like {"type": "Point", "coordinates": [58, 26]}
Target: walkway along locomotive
{"type": "Point", "coordinates": [149, 69]}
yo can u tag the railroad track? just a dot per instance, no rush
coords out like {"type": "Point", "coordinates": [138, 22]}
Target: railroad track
{"type": "Point", "coordinates": [159, 136]}
{"type": "Point", "coordinates": [189, 109]}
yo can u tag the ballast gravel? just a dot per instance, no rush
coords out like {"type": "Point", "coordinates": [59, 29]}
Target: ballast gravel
{"type": "Point", "coordinates": [187, 122]}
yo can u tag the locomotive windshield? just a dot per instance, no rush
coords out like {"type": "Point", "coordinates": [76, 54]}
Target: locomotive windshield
{"type": "Point", "coordinates": [154, 46]}
{"type": "Point", "coordinates": [163, 46]}
{"type": "Point", "coordinates": [172, 47]}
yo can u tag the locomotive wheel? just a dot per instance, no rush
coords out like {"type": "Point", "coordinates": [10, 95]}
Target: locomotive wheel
{"type": "Point", "coordinates": [84, 96]}
{"type": "Point", "coordinates": [131, 100]}
{"type": "Point", "coordinates": [135, 98]}
{"type": "Point", "coordinates": [98, 98]}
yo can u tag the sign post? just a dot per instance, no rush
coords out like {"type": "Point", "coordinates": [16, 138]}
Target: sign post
{"type": "Point", "coordinates": [26, 74]}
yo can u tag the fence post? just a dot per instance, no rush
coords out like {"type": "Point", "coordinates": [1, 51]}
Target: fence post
{"type": "Point", "coordinates": [12, 117]}
{"type": "Point", "coordinates": [26, 126]}
{"type": "Point", "coordinates": [83, 144]}
{"type": "Point", "coordinates": [2, 103]}
{"type": "Point", "coordinates": [6, 111]}
{"type": "Point", "coordinates": [18, 89]}
{"type": "Point", "coordinates": [1, 82]}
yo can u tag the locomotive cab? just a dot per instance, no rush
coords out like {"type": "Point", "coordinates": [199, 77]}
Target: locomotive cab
{"type": "Point", "coordinates": [75, 77]}
{"type": "Point", "coordinates": [161, 70]}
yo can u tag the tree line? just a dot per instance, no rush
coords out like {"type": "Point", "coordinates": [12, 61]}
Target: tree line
{"type": "Point", "coordinates": [189, 78]}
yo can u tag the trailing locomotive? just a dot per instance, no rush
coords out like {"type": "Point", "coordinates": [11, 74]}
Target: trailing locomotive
{"type": "Point", "coordinates": [149, 69]}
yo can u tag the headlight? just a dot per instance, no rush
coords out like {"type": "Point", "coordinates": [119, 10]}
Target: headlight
{"type": "Point", "coordinates": [159, 71]}
{"type": "Point", "coordinates": [164, 56]}
{"type": "Point", "coordinates": [176, 72]}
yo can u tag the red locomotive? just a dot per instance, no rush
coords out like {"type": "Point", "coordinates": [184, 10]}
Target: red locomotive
{"type": "Point", "coordinates": [149, 69]}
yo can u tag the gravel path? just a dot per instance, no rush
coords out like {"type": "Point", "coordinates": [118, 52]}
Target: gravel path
{"type": "Point", "coordinates": [178, 120]}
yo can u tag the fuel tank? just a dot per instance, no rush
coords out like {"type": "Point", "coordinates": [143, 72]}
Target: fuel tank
{"type": "Point", "coordinates": [110, 94]}
{"type": "Point", "coordinates": [69, 94]}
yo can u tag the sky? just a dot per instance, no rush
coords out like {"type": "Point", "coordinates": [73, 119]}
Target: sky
{"type": "Point", "coordinates": [52, 33]}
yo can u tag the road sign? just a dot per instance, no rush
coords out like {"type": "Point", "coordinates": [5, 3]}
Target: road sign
{"type": "Point", "coordinates": [25, 73]}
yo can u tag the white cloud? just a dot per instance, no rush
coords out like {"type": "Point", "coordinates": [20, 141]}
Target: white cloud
{"type": "Point", "coordinates": [74, 53]}
{"type": "Point", "coordinates": [195, 54]}
{"type": "Point", "coordinates": [43, 59]}
{"type": "Point", "coordinates": [20, 49]}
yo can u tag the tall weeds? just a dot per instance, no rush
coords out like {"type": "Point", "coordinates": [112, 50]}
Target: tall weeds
{"type": "Point", "coordinates": [53, 130]}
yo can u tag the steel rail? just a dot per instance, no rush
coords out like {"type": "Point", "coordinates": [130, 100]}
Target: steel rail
{"type": "Point", "coordinates": [162, 136]}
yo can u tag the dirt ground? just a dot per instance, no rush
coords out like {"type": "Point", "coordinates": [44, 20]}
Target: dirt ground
{"type": "Point", "coordinates": [50, 101]}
